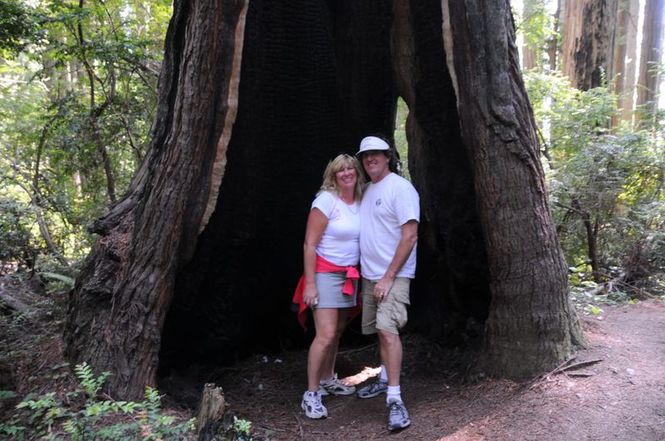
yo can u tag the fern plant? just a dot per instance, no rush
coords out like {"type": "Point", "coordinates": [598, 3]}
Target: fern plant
{"type": "Point", "coordinates": [143, 420]}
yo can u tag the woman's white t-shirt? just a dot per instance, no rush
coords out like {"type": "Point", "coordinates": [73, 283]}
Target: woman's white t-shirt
{"type": "Point", "coordinates": [339, 243]}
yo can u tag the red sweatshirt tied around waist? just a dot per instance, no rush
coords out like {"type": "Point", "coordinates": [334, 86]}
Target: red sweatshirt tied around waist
{"type": "Point", "coordinates": [325, 266]}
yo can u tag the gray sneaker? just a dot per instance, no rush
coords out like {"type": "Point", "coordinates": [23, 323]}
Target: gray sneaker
{"type": "Point", "coordinates": [334, 386]}
{"type": "Point", "coordinates": [373, 389]}
{"type": "Point", "coordinates": [398, 416]}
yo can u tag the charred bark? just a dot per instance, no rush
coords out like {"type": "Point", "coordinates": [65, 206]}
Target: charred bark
{"type": "Point", "coordinates": [452, 280]}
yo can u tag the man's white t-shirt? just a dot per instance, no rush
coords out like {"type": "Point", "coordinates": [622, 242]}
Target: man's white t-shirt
{"type": "Point", "coordinates": [339, 243]}
{"type": "Point", "coordinates": [385, 207]}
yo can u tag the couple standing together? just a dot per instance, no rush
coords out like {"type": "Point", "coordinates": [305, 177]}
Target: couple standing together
{"type": "Point", "coordinates": [376, 226]}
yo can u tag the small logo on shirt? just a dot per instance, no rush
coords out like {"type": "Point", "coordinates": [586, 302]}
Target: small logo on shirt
{"type": "Point", "coordinates": [378, 202]}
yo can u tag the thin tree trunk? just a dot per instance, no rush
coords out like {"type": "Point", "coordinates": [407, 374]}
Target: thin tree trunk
{"type": "Point", "coordinates": [632, 55]}
{"type": "Point", "coordinates": [36, 200]}
{"type": "Point", "coordinates": [619, 68]}
{"type": "Point", "coordinates": [591, 230]}
{"type": "Point", "coordinates": [528, 273]}
{"type": "Point", "coordinates": [553, 43]}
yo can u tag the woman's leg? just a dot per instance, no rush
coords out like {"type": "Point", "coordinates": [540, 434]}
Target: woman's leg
{"type": "Point", "coordinates": [328, 370]}
{"type": "Point", "coordinates": [325, 341]}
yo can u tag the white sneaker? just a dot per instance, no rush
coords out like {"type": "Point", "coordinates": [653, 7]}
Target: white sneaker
{"type": "Point", "coordinates": [312, 405]}
{"type": "Point", "coordinates": [334, 386]}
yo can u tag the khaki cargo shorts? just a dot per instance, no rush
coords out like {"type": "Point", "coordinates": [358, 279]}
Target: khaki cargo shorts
{"type": "Point", "coordinates": [390, 315]}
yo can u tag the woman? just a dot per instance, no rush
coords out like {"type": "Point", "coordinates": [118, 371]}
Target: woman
{"type": "Point", "coordinates": [329, 282]}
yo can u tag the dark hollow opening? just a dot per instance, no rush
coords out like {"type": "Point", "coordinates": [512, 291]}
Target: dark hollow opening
{"type": "Point", "coordinates": [316, 77]}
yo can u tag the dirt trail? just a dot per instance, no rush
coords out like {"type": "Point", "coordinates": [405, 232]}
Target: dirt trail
{"type": "Point", "coordinates": [623, 398]}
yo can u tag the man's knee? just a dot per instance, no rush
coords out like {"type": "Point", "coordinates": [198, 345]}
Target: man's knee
{"type": "Point", "coordinates": [388, 338]}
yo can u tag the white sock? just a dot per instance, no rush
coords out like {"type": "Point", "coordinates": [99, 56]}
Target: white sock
{"type": "Point", "coordinates": [383, 375]}
{"type": "Point", "coordinates": [394, 394]}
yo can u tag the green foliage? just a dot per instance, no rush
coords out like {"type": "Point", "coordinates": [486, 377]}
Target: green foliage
{"type": "Point", "coordinates": [68, 281]}
{"type": "Point", "coordinates": [76, 106]}
{"type": "Point", "coordinates": [16, 240]}
{"type": "Point", "coordinates": [96, 419]}
{"type": "Point", "coordinates": [91, 384]}
{"type": "Point", "coordinates": [535, 23]}
{"type": "Point", "coordinates": [610, 177]}
{"type": "Point", "coordinates": [401, 143]}
{"type": "Point", "coordinates": [242, 428]}
{"type": "Point", "coordinates": [17, 25]}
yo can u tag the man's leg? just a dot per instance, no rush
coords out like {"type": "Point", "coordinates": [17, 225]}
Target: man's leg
{"type": "Point", "coordinates": [391, 355]}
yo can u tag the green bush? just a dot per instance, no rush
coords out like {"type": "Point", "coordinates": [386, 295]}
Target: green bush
{"type": "Point", "coordinates": [17, 245]}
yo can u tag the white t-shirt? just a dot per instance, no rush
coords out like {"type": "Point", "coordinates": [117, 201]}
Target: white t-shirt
{"type": "Point", "coordinates": [339, 243]}
{"type": "Point", "coordinates": [385, 207]}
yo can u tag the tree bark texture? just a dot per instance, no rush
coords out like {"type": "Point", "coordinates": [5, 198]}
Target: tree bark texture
{"type": "Point", "coordinates": [651, 53]}
{"type": "Point", "coordinates": [198, 262]}
{"type": "Point", "coordinates": [588, 36]}
{"type": "Point", "coordinates": [528, 275]}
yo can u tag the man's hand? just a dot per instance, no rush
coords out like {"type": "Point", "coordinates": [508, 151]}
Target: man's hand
{"type": "Point", "coordinates": [382, 288]}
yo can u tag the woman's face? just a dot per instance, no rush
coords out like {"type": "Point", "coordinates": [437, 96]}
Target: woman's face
{"type": "Point", "coordinates": [346, 177]}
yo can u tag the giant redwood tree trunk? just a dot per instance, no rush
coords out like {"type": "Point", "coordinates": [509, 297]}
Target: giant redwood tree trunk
{"type": "Point", "coordinates": [528, 275]}
{"type": "Point", "coordinates": [117, 309]}
{"type": "Point", "coordinates": [197, 263]}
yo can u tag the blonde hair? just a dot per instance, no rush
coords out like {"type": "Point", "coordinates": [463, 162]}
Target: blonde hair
{"type": "Point", "coordinates": [337, 164]}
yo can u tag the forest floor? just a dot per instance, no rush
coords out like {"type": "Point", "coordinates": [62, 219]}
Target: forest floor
{"type": "Point", "coordinates": [618, 395]}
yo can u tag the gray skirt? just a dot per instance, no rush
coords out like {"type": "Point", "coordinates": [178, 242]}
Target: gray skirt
{"type": "Point", "coordinates": [330, 291]}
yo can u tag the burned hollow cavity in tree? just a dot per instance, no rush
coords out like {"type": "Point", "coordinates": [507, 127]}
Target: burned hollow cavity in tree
{"type": "Point", "coordinates": [312, 84]}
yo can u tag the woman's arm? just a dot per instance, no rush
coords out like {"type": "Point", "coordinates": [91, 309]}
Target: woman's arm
{"type": "Point", "coordinates": [316, 225]}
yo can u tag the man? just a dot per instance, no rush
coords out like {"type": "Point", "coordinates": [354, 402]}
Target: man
{"type": "Point", "coordinates": [389, 216]}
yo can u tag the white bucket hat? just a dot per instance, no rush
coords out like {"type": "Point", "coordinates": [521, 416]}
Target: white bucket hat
{"type": "Point", "coordinates": [372, 143]}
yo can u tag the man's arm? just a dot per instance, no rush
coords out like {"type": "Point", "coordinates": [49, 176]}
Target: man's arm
{"type": "Point", "coordinates": [407, 241]}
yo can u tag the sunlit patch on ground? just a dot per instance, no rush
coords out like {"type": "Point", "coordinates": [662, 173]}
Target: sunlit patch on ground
{"type": "Point", "coordinates": [363, 375]}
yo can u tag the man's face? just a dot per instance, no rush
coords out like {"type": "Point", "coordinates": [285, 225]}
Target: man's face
{"type": "Point", "coordinates": [376, 164]}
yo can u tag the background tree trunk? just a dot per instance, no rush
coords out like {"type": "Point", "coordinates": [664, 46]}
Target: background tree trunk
{"type": "Point", "coordinates": [201, 257]}
{"type": "Point", "coordinates": [632, 55]}
{"type": "Point", "coordinates": [620, 43]}
{"type": "Point", "coordinates": [651, 57]}
{"type": "Point", "coordinates": [553, 43]}
{"type": "Point", "coordinates": [587, 48]}
{"type": "Point", "coordinates": [528, 275]}
{"type": "Point", "coordinates": [529, 55]}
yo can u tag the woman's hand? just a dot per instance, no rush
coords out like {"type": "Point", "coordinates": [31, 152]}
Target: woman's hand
{"type": "Point", "coordinates": [311, 296]}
